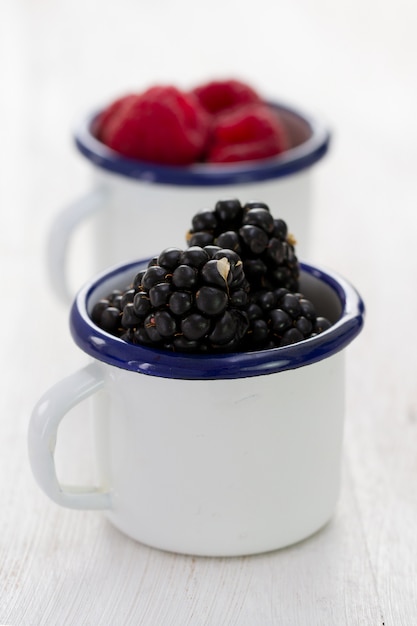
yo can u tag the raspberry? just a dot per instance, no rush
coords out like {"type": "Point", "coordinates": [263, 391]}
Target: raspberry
{"type": "Point", "coordinates": [217, 122]}
{"type": "Point", "coordinates": [217, 95]}
{"type": "Point", "coordinates": [253, 131]}
{"type": "Point", "coordinates": [262, 242]}
{"type": "Point", "coordinates": [161, 125]}
{"type": "Point", "coordinates": [103, 119]}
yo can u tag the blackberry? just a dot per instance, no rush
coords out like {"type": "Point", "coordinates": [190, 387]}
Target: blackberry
{"type": "Point", "coordinates": [234, 288]}
{"type": "Point", "coordinates": [107, 316]}
{"type": "Point", "coordinates": [191, 300]}
{"type": "Point", "coordinates": [263, 243]}
{"type": "Point", "coordinates": [110, 318]}
{"type": "Point", "coordinates": [279, 318]}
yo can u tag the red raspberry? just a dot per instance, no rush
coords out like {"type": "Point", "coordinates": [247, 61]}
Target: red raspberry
{"type": "Point", "coordinates": [102, 121]}
{"type": "Point", "coordinates": [216, 96]}
{"type": "Point", "coordinates": [249, 132]}
{"type": "Point", "coordinates": [162, 125]}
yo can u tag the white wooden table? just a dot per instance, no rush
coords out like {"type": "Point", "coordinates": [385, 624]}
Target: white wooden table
{"type": "Point", "coordinates": [355, 64]}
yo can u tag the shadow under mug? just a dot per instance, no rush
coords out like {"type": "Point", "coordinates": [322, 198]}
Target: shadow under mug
{"type": "Point", "coordinates": [213, 455]}
{"type": "Point", "coordinates": [136, 207]}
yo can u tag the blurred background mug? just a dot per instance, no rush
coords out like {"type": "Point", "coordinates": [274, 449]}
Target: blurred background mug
{"type": "Point", "coordinates": [138, 209]}
{"type": "Point", "coordinates": [207, 454]}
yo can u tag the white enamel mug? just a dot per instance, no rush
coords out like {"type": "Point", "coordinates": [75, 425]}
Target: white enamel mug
{"type": "Point", "coordinates": [219, 455]}
{"type": "Point", "coordinates": [139, 208]}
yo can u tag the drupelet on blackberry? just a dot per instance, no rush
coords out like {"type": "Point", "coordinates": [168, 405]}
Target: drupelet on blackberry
{"type": "Point", "coordinates": [262, 241]}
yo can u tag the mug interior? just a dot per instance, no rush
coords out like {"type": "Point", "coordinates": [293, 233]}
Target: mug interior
{"type": "Point", "coordinates": [332, 296]}
{"type": "Point", "coordinates": [299, 130]}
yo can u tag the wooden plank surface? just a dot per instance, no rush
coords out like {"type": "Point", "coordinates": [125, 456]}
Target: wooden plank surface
{"type": "Point", "coordinates": [355, 65]}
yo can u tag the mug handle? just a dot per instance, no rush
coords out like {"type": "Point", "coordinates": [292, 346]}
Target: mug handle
{"type": "Point", "coordinates": [43, 427]}
{"type": "Point", "coordinates": [59, 236]}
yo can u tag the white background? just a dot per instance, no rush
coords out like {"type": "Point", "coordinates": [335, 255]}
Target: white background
{"type": "Point", "coordinates": [352, 63]}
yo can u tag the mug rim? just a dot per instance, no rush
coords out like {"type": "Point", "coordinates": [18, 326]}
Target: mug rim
{"type": "Point", "coordinates": [112, 350]}
{"type": "Point", "coordinates": [289, 162]}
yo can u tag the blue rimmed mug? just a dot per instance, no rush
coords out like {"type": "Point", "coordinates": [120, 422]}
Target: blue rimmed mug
{"type": "Point", "coordinates": [136, 206]}
{"type": "Point", "coordinates": [215, 455]}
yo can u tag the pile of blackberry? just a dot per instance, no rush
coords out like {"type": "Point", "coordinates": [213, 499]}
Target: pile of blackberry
{"type": "Point", "coordinates": [263, 242]}
{"type": "Point", "coordinates": [280, 317]}
{"type": "Point", "coordinates": [235, 288]}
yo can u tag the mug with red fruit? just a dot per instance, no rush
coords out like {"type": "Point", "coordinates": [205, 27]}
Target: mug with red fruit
{"type": "Point", "coordinates": [217, 379]}
{"type": "Point", "coordinates": [159, 154]}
